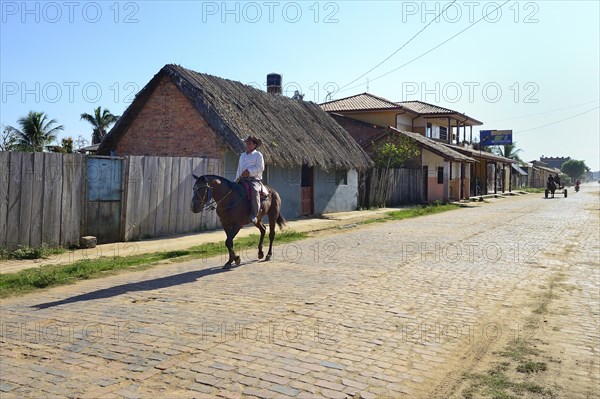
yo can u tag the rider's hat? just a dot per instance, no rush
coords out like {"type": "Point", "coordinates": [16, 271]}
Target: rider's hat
{"type": "Point", "coordinates": [254, 140]}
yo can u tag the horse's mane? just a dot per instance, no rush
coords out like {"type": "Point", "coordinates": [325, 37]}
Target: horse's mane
{"type": "Point", "coordinates": [232, 185]}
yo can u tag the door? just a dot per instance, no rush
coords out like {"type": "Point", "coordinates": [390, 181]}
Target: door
{"type": "Point", "coordinates": [103, 199]}
{"type": "Point", "coordinates": [307, 204]}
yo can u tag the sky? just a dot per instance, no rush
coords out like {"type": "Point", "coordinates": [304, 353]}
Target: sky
{"type": "Point", "coordinates": [532, 67]}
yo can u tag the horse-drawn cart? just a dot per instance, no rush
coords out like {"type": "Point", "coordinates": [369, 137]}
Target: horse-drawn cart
{"type": "Point", "coordinates": [552, 188]}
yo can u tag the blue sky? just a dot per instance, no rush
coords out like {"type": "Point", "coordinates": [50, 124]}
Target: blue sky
{"type": "Point", "coordinates": [532, 66]}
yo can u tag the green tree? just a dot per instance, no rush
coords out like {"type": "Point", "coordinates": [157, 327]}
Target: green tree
{"type": "Point", "coordinates": [396, 152]}
{"type": "Point", "coordinates": [35, 132]}
{"type": "Point", "coordinates": [8, 139]}
{"type": "Point", "coordinates": [100, 121]}
{"type": "Point", "coordinates": [574, 168]}
{"type": "Point", "coordinates": [67, 145]}
{"type": "Point", "coordinates": [508, 151]}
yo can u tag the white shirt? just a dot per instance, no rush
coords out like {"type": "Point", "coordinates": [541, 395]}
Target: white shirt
{"type": "Point", "coordinates": [254, 162]}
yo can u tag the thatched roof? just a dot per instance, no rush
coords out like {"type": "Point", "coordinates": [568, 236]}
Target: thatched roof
{"type": "Point", "coordinates": [294, 132]}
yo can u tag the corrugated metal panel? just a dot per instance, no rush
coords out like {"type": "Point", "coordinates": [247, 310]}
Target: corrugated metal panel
{"type": "Point", "coordinates": [103, 179]}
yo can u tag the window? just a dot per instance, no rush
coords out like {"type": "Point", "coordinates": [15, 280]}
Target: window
{"type": "Point", "coordinates": [428, 132]}
{"type": "Point", "coordinates": [341, 177]}
{"type": "Point", "coordinates": [443, 133]}
{"type": "Point", "coordinates": [440, 175]}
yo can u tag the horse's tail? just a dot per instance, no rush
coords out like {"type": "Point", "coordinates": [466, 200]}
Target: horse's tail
{"type": "Point", "coordinates": [277, 202]}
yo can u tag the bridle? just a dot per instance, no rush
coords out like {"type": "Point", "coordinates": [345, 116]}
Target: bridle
{"type": "Point", "coordinates": [207, 205]}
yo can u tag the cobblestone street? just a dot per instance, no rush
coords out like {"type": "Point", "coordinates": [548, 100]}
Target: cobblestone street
{"type": "Point", "coordinates": [396, 309]}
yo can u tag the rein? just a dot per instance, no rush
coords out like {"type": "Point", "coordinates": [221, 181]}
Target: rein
{"type": "Point", "coordinates": [209, 206]}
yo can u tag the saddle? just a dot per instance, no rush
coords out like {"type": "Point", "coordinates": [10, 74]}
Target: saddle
{"type": "Point", "coordinates": [264, 191]}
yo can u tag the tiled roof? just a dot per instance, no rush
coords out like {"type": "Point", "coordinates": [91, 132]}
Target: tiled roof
{"type": "Point", "coordinates": [436, 147]}
{"type": "Point", "coordinates": [364, 101]}
{"type": "Point", "coordinates": [480, 154]}
{"type": "Point", "coordinates": [419, 107]}
{"type": "Point", "coordinates": [367, 102]}
{"type": "Point", "coordinates": [424, 108]}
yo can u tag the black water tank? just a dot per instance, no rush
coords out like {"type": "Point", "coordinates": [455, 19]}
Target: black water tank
{"type": "Point", "coordinates": [274, 83]}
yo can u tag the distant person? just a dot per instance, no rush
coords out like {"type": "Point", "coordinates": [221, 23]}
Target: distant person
{"type": "Point", "coordinates": [557, 180]}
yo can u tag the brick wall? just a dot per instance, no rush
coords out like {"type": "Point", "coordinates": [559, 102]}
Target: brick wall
{"type": "Point", "coordinates": [360, 131]}
{"type": "Point", "coordinates": [169, 125]}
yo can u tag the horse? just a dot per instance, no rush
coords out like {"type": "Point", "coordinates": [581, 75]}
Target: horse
{"type": "Point", "coordinates": [233, 208]}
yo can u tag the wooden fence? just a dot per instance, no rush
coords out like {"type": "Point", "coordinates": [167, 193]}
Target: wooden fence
{"type": "Point", "coordinates": [390, 187]}
{"type": "Point", "coordinates": [43, 198]}
{"type": "Point", "coordinates": [40, 198]}
{"type": "Point", "coordinates": [158, 193]}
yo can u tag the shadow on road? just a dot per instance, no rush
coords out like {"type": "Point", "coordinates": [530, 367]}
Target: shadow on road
{"type": "Point", "coordinates": [147, 285]}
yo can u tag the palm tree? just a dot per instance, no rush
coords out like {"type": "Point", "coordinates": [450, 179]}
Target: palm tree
{"type": "Point", "coordinates": [509, 151]}
{"type": "Point", "coordinates": [100, 121]}
{"type": "Point", "coordinates": [35, 133]}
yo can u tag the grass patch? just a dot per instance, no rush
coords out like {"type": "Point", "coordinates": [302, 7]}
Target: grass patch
{"type": "Point", "coordinates": [502, 383]}
{"type": "Point", "coordinates": [412, 212]}
{"type": "Point", "coordinates": [532, 367]}
{"type": "Point", "coordinates": [53, 275]}
{"type": "Point", "coordinates": [533, 190]}
{"type": "Point", "coordinates": [24, 252]}
{"type": "Point", "coordinates": [497, 385]}
{"type": "Point", "coordinates": [518, 350]}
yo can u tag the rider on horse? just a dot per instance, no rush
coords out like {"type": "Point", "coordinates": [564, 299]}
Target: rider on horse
{"type": "Point", "coordinates": [250, 169]}
{"type": "Point", "coordinates": [557, 180]}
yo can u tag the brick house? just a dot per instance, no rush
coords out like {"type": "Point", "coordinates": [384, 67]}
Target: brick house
{"type": "Point", "coordinates": [311, 160]}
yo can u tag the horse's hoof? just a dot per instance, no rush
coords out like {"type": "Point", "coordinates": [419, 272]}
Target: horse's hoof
{"type": "Point", "coordinates": [260, 254]}
{"type": "Point", "coordinates": [227, 266]}
{"type": "Point", "coordinates": [237, 260]}
{"type": "Point", "coordinates": [268, 258]}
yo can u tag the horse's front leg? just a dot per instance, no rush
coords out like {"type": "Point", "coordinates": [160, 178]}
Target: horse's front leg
{"type": "Point", "coordinates": [262, 229]}
{"type": "Point", "coordinates": [231, 233]}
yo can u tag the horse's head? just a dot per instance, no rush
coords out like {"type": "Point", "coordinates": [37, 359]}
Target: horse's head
{"type": "Point", "coordinates": [201, 194]}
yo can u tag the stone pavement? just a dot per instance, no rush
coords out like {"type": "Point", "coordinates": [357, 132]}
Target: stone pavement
{"type": "Point", "coordinates": [382, 310]}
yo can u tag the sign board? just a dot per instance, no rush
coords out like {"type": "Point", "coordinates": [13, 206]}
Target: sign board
{"type": "Point", "coordinates": [495, 137]}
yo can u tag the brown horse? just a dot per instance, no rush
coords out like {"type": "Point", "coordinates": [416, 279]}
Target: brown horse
{"type": "Point", "coordinates": [233, 209]}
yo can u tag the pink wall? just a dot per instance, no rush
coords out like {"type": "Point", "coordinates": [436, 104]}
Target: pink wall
{"type": "Point", "coordinates": [435, 191]}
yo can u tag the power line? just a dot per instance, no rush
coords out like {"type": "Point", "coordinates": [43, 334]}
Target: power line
{"type": "Point", "coordinates": [429, 51]}
{"type": "Point", "coordinates": [553, 123]}
{"type": "Point", "coordinates": [401, 47]}
{"type": "Point", "coordinates": [545, 112]}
